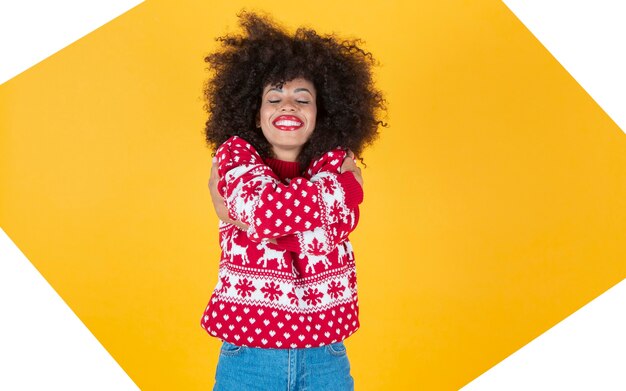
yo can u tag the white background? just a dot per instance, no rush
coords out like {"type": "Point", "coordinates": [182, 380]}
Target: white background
{"type": "Point", "coordinates": [43, 344]}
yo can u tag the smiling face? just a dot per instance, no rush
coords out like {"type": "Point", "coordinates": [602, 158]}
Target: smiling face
{"type": "Point", "coordinates": [287, 116]}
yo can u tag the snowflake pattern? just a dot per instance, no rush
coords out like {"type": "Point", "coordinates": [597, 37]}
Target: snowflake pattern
{"type": "Point", "coordinates": [335, 289]}
{"type": "Point", "coordinates": [225, 284]}
{"type": "Point", "coordinates": [293, 297]}
{"type": "Point", "coordinates": [331, 187]}
{"type": "Point", "coordinates": [248, 193]}
{"type": "Point", "coordinates": [352, 283]}
{"type": "Point", "coordinates": [245, 287]}
{"type": "Point", "coordinates": [271, 291]}
{"type": "Point", "coordinates": [312, 296]}
{"type": "Point", "coordinates": [336, 212]}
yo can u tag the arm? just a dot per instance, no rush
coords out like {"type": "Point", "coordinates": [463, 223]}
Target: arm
{"type": "Point", "coordinates": [289, 243]}
{"type": "Point", "coordinates": [341, 215]}
{"type": "Point", "coordinates": [256, 197]}
{"type": "Point", "coordinates": [218, 201]}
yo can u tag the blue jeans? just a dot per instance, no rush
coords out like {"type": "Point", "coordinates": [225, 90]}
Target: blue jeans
{"type": "Point", "coordinates": [324, 368]}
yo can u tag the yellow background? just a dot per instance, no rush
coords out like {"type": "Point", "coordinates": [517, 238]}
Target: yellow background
{"type": "Point", "coordinates": [495, 203]}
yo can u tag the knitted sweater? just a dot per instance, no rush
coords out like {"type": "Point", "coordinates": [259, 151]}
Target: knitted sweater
{"type": "Point", "coordinates": [300, 292]}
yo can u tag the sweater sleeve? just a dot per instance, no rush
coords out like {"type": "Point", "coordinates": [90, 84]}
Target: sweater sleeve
{"type": "Point", "coordinates": [308, 216]}
{"type": "Point", "coordinates": [341, 214]}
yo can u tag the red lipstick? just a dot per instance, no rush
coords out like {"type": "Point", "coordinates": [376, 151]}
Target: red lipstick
{"type": "Point", "coordinates": [287, 122]}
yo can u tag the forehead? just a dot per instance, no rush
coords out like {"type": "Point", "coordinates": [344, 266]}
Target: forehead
{"type": "Point", "coordinates": [295, 85]}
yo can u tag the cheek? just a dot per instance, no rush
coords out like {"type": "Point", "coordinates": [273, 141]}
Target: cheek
{"type": "Point", "coordinates": [313, 116]}
{"type": "Point", "coordinates": [265, 116]}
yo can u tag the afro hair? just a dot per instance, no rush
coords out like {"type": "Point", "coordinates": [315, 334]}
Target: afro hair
{"type": "Point", "coordinates": [349, 107]}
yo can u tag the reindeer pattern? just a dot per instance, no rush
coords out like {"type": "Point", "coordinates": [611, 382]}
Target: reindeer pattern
{"type": "Point", "coordinates": [271, 254]}
{"type": "Point", "coordinates": [313, 260]}
{"type": "Point", "coordinates": [268, 256]}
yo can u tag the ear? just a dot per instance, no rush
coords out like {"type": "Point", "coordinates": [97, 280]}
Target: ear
{"type": "Point", "coordinates": [258, 119]}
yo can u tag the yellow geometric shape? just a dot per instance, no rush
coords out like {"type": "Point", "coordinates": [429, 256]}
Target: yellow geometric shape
{"type": "Point", "coordinates": [495, 204]}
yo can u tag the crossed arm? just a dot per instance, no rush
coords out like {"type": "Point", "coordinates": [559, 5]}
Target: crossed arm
{"type": "Point", "coordinates": [348, 165]}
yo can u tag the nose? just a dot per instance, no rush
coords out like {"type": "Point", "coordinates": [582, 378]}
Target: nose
{"type": "Point", "coordinates": [288, 106]}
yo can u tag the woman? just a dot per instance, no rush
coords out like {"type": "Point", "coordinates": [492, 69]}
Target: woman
{"type": "Point", "coordinates": [285, 113]}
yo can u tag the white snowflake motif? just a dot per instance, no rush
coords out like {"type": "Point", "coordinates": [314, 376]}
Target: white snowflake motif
{"type": "Point", "coordinates": [248, 193]}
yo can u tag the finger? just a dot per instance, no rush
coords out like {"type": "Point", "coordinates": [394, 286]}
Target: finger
{"type": "Point", "coordinates": [347, 165]}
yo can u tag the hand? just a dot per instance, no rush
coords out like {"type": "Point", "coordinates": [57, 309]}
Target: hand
{"type": "Point", "coordinates": [218, 201]}
{"type": "Point", "coordinates": [349, 164]}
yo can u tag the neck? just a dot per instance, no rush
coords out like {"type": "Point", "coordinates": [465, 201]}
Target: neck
{"type": "Point", "coordinates": [286, 155]}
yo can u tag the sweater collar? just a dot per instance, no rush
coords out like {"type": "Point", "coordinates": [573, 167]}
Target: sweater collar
{"type": "Point", "coordinates": [284, 170]}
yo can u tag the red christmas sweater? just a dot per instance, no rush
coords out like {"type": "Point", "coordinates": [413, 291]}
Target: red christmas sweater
{"type": "Point", "coordinates": [300, 292]}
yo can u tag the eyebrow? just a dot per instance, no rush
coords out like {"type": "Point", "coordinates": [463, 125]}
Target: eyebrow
{"type": "Point", "coordinates": [296, 90]}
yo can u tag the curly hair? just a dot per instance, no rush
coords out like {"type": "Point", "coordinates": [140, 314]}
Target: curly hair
{"type": "Point", "coordinates": [349, 107]}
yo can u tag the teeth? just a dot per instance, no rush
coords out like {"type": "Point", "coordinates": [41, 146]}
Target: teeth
{"type": "Point", "coordinates": [288, 123]}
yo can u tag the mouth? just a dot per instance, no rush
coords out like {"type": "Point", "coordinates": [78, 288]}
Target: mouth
{"type": "Point", "coordinates": [287, 123]}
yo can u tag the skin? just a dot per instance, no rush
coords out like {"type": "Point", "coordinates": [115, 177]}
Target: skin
{"type": "Point", "coordinates": [295, 98]}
